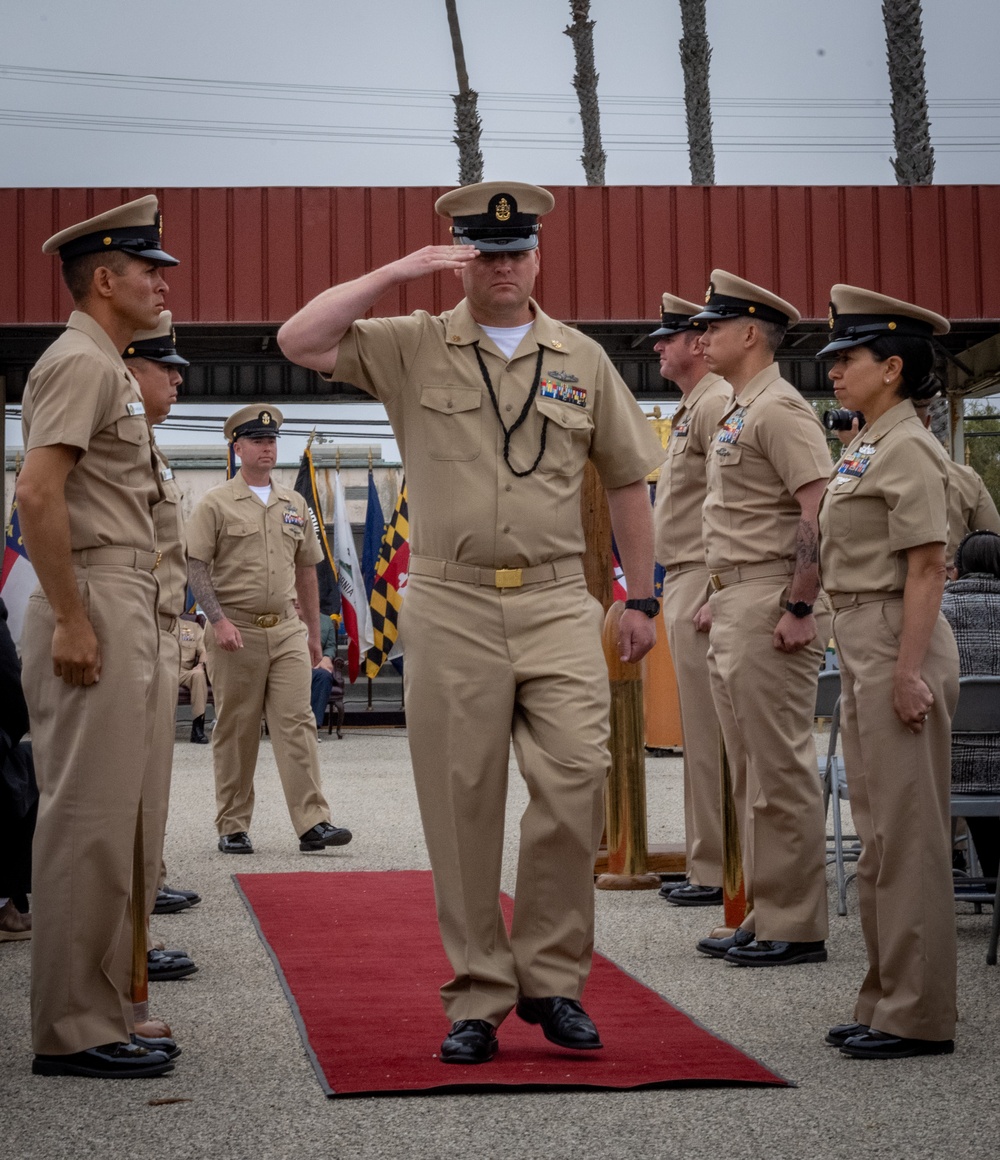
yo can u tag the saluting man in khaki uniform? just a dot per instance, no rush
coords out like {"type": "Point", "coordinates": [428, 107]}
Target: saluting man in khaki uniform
{"type": "Point", "coordinates": [152, 358]}
{"type": "Point", "coordinates": [497, 409]}
{"type": "Point", "coordinates": [884, 527]}
{"type": "Point", "coordinates": [767, 467]}
{"type": "Point", "coordinates": [90, 641]}
{"type": "Point", "coordinates": [252, 553]}
{"type": "Point", "coordinates": [680, 497]}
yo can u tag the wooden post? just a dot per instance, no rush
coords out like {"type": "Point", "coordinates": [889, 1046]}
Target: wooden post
{"type": "Point", "coordinates": [733, 887]}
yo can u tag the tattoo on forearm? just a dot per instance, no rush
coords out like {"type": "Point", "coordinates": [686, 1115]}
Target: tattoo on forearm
{"type": "Point", "coordinates": [204, 593]}
{"type": "Point", "coordinates": [806, 546]}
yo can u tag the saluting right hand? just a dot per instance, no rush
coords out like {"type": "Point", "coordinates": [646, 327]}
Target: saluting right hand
{"type": "Point", "coordinates": [431, 259]}
{"type": "Point", "coordinates": [227, 635]}
{"type": "Point", "coordinates": [76, 653]}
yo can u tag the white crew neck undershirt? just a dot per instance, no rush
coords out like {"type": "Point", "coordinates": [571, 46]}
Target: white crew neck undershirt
{"type": "Point", "coordinates": [262, 493]}
{"type": "Point", "coordinates": [507, 338]}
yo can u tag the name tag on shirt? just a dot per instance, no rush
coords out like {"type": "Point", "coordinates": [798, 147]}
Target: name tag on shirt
{"type": "Point", "coordinates": [291, 516]}
{"type": "Point", "coordinates": [135, 408]}
{"type": "Point", "coordinates": [732, 427]}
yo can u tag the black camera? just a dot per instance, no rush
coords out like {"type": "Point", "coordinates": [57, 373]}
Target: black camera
{"type": "Point", "coordinates": [839, 419]}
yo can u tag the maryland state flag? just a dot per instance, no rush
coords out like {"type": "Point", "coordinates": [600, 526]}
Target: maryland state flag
{"type": "Point", "coordinates": [390, 585]}
{"type": "Point", "coordinates": [326, 569]}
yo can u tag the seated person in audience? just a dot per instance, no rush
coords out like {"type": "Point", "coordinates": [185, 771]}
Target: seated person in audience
{"type": "Point", "coordinates": [971, 605]}
{"type": "Point", "coordinates": [193, 676]}
{"type": "Point", "coordinates": [328, 674]}
{"type": "Point", "coordinates": [18, 795]}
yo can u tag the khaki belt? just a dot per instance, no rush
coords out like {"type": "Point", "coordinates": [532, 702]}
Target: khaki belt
{"type": "Point", "coordinates": [848, 599]}
{"type": "Point", "coordinates": [167, 623]}
{"type": "Point", "coordinates": [123, 557]}
{"type": "Point", "coordinates": [496, 577]}
{"type": "Point", "coordinates": [254, 619]}
{"type": "Point", "coordinates": [691, 566]}
{"type": "Point", "coordinates": [720, 580]}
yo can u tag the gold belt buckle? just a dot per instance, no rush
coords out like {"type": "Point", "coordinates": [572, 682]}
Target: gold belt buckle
{"type": "Point", "coordinates": [267, 620]}
{"type": "Point", "coordinates": [716, 580]}
{"type": "Point", "coordinates": [507, 578]}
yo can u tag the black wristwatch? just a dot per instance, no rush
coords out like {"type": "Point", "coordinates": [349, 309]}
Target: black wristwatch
{"type": "Point", "coordinates": [650, 606]}
{"type": "Point", "coordinates": [799, 609]}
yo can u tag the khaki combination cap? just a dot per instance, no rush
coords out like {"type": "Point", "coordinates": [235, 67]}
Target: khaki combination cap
{"type": "Point", "coordinates": [676, 316]}
{"type": "Point", "coordinates": [496, 216]}
{"type": "Point", "coordinates": [731, 297]}
{"type": "Point", "coordinates": [134, 228]}
{"type": "Point", "coordinates": [257, 421]}
{"type": "Point", "coordinates": [858, 316]}
{"type": "Point", "coordinates": [158, 344]}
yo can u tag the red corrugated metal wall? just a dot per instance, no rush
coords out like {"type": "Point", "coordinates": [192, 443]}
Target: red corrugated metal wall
{"type": "Point", "coordinates": [256, 254]}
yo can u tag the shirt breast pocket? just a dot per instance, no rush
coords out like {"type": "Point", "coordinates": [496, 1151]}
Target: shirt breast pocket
{"type": "Point", "coordinates": [132, 465]}
{"type": "Point", "coordinates": [240, 541]}
{"type": "Point", "coordinates": [452, 421]}
{"type": "Point", "coordinates": [838, 502]}
{"type": "Point", "coordinates": [567, 437]}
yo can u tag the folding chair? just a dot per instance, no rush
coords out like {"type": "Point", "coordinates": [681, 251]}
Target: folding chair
{"type": "Point", "coordinates": [834, 779]}
{"type": "Point", "coordinates": [978, 713]}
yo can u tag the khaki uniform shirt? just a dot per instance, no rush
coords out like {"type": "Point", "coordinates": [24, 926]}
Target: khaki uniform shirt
{"type": "Point", "coordinates": [81, 394]}
{"type": "Point", "coordinates": [253, 551]}
{"type": "Point", "coordinates": [889, 492]}
{"type": "Point", "coordinates": [192, 641]}
{"type": "Point", "coordinates": [970, 505]}
{"type": "Point", "coordinates": [465, 504]}
{"type": "Point", "coordinates": [769, 443]}
{"type": "Point", "coordinates": [681, 491]}
{"type": "Point", "coordinates": [168, 522]}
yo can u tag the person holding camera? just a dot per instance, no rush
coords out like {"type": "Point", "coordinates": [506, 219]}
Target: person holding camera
{"type": "Point", "coordinates": [883, 532]}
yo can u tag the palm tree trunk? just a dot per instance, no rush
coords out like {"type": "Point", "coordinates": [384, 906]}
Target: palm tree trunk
{"type": "Point", "coordinates": [696, 55]}
{"type": "Point", "coordinates": [581, 32]}
{"type": "Point", "coordinates": [468, 126]}
{"type": "Point", "coordinates": [911, 126]}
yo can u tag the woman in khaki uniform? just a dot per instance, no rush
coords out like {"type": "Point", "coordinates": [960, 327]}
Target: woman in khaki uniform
{"type": "Point", "coordinates": [883, 528]}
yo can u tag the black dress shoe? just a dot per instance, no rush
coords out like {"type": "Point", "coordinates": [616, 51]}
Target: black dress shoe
{"type": "Point", "coordinates": [839, 1035]}
{"type": "Point", "coordinates": [879, 1045]}
{"type": "Point", "coordinates": [191, 895]}
{"type": "Point", "coordinates": [198, 736]}
{"type": "Point", "coordinates": [563, 1021]}
{"type": "Point", "coordinates": [169, 902]}
{"type": "Point", "coordinates": [322, 835]}
{"type": "Point", "coordinates": [110, 1061]}
{"type": "Point", "coordinates": [470, 1041]}
{"type": "Point", "coordinates": [692, 895]}
{"type": "Point", "coordinates": [160, 1043]}
{"type": "Point", "coordinates": [719, 947]}
{"type": "Point", "coordinates": [238, 843]}
{"type": "Point", "coordinates": [162, 968]}
{"type": "Point", "coordinates": [770, 953]}
{"type": "Point", "coordinates": [668, 887]}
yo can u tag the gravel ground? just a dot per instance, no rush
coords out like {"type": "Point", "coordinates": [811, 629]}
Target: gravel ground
{"type": "Point", "coordinates": [245, 1087]}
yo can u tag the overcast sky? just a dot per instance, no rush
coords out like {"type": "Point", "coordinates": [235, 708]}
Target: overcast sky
{"type": "Point", "coordinates": [330, 92]}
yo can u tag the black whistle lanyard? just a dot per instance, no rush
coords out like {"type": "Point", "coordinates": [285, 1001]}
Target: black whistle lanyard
{"type": "Point", "coordinates": [525, 410]}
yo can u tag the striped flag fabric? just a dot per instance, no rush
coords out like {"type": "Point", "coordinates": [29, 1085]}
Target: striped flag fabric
{"type": "Point", "coordinates": [374, 532]}
{"type": "Point", "coordinates": [354, 608]}
{"type": "Point", "coordinates": [390, 586]}
{"type": "Point", "coordinates": [326, 569]}
{"type": "Point", "coordinates": [231, 465]}
{"type": "Point", "coordinates": [18, 579]}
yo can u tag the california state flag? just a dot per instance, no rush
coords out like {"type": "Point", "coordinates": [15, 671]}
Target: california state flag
{"type": "Point", "coordinates": [354, 600]}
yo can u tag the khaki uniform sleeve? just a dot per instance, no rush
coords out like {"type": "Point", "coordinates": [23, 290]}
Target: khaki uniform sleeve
{"type": "Point", "coordinates": [795, 446]}
{"type": "Point", "coordinates": [73, 398]}
{"type": "Point", "coordinates": [624, 447]}
{"type": "Point", "coordinates": [914, 482]}
{"type": "Point", "coordinates": [375, 354]}
{"type": "Point", "coordinates": [203, 530]}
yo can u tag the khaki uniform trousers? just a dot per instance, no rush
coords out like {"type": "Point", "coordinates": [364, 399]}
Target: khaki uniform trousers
{"type": "Point", "coordinates": [683, 594]}
{"type": "Point", "coordinates": [90, 748]}
{"type": "Point", "coordinates": [900, 787]}
{"type": "Point", "coordinates": [160, 760]}
{"type": "Point", "coordinates": [197, 682]}
{"type": "Point", "coordinates": [766, 703]}
{"type": "Point", "coordinates": [270, 676]}
{"type": "Point", "coordinates": [482, 665]}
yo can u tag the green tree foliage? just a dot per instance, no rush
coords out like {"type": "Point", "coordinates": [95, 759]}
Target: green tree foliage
{"type": "Point", "coordinates": [982, 448]}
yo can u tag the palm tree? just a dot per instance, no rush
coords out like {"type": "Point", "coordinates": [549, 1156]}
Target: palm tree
{"type": "Point", "coordinates": [581, 32]}
{"type": "Point", "coordinates": [468, 126]}
{"type": "Point", "coordinates": [696, 55]}
{"type": "Point", "coordinates": [911, 126]}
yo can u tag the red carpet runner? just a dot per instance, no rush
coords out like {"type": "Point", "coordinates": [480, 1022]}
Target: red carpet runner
{"type": "Point", "coordinates": [361, 962]}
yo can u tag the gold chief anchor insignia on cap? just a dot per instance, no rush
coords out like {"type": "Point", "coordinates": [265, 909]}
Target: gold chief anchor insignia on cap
{"type": "Point", "coordinates": [503, 210]}
{"type": "Point", "coordinates": [831, 316]}
{"type": "Point", "coordinates": [265, 417]}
